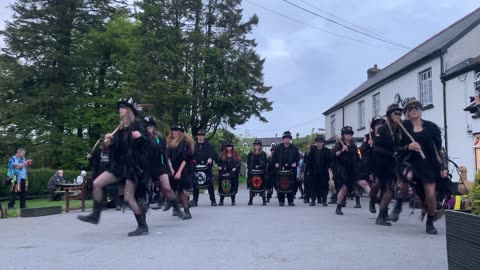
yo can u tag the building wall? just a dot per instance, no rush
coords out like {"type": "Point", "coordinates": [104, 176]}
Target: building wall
{"type": "Point", "coordinates": [407, 86]}
{"type": "Point", "coordinates": [460, 125]}
{"type": "Point", "coordinates": [466, 47]}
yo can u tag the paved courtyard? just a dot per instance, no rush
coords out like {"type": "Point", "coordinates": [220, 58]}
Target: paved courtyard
{"type": "Point", "coordinates": [227, 237]}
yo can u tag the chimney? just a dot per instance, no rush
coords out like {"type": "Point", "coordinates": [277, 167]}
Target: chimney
{"type": "Point", "coordinates": [372, 71]}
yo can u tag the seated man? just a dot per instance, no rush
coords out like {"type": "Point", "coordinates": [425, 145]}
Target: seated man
{"type": "Point", "coordinates": [81, 178]}
{"type": "Point", "coordinates": [53, 183]}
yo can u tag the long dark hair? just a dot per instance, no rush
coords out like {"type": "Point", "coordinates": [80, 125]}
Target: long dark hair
{"type": "Point", "coordinates": [235, 155]}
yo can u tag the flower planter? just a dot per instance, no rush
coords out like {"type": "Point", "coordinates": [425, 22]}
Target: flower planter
{"type": "Point", "coordinates": [463, 240]}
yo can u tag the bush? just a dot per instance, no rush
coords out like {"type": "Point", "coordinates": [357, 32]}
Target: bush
{"type": "Point", "coordinates": [37, 181]}
{"type": "Point", "coordinates": [474, 194]}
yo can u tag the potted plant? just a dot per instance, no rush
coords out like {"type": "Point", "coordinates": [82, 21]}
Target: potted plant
{"type": "Point", "coordinates": [463, 233]}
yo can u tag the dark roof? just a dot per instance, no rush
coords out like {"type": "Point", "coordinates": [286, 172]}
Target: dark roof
{"type": "Point", "coordinates": [430, 48]}
{"type": "Point", "coordinates": [466, 65]}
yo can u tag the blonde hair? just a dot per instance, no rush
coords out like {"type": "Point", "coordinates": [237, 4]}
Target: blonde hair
{"type": "Point", "coordinates": [128, 119]}
{"type": "Point", "coordinates": [174, 142]}
{"type": "Point", "coordinates": [259, 150]}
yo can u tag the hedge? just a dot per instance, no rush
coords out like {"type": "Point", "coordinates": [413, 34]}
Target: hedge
{"type": "Point", "coordinates": [37, 180]}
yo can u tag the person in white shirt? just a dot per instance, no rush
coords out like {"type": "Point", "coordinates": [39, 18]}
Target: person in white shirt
{"type": "Point", "coordinates": [82, 177]}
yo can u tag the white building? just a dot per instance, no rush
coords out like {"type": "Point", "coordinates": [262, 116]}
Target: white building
{"type": "Point", "coordinates": [440, 73]}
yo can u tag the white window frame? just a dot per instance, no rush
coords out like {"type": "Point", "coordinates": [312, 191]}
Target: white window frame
{"type": "Point", "coordinates": [425, 88]}
{"type": "Point", "coordinates": [361, 114]}
{"type": "Point", "coordinates": [376, 108]}
{"type": "Point", "coordinates": [332, 125]}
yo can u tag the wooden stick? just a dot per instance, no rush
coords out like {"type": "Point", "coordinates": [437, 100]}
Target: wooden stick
{"type": "Point", "coordinates": [114, 131]}
{"type": "Point", "coordinates": [95, 146]}
{"type": "Point", "coordinates": [339, 140]}
{"type": "Point", "coordinates": [408, 135]}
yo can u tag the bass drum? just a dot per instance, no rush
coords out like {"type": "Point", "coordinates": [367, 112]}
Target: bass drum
{"type": "Point", "coordinates": [225, 187]}
{"type": "Point", "coordinates": [285, 181]}
{"type": "Point", "coordinates": [257, 180]}
{"type": "Point", "coordinates": [201, 176]}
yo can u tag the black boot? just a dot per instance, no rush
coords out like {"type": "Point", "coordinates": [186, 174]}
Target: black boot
{"type": "Point", "coordinates": [395, 215]}
{"type": "Point", "coordinates": [382, 218]}
{"type": "Point", "coordinates": [264, 201]}
{"type": "Point", "coordinates": [233, 200]}
{"type": "Point", "coordinates": [357, 202]}
{"type": "Point", "coordinates": [250, 201]}
{"type": "Point", "coordinates": [213, 203]}
{"type": "Point", "coordinates": [312, 202]}
{"type": "Point", "coordinates": [221, 201]}
{"type": "Point", "coordinates": [333, 199]}
{"type": "Point", "coordinates": [281, 203]}
{"type": "Point", "coordinates": [306, 199]}
{"type": "Point", "coordinates": [142, 228]}
{"type": "Point", "coordinates": [94, 217]}
{"type": "Point", "coordinates": [193, 203]}
{"type": "Point", "coordinates": [176, 208]}
{"type": "Point", "coordinates": [168, 205]}
{"type": "Point", "coordinates": [324, 199]}
{"type": "Point", "coordinates": [187, 215]}
{"type": "Point", "coordinates": [371, 205]}
{"type": "Point", "coordinates": [430, 228]}
{"type": "Point", "coordinates": [338, 211]}
{"type": "Point", "coordinates": [291, 204]}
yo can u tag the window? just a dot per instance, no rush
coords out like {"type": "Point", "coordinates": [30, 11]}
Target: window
{"type": "Point", "coordinates": [332, 126]}
{"type": "Point", "coordinates": [376, 105]}
{"type": "Point", "coordinates": [425, 86]}
{"type": "Point", "coordinates": [361, 114]}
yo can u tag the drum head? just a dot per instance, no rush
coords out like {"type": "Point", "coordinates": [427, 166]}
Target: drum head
{"type": "Point", "coordinates": [201, 167]}
{"type": "Point", "coordinates": [226, 185]}
{"type": "Point", "coordinates": [257, 182]}
{"type": "Point", "coordinates": [201, 178]}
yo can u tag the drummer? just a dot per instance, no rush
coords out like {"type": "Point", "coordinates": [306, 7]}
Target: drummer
{"type": "Point", "coordinates": [229, 164]}
{"type": "Point", "coordinates": [286, 157]}
{"type": "Point", "coordinates": [256, 164]}
{"type": "Point", "coordinates": [204, 156]}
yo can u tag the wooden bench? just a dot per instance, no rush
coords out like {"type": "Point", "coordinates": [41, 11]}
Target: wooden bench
{"type": "Point", "coordinates": [75, 193]}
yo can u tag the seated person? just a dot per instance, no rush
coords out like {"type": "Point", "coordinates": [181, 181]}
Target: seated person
{"type": "Point", "coordinates": [53, 183]}
{"type": "Point", "coordinates": [81, 178]}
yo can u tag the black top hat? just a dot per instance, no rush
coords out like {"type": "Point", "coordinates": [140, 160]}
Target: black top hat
{"type": "Point", "coordinates": [320, 138]}
{"type": "Point", "coordinates": [177, 127]}
{"type": "Point", "coordinates": [229, 143]}
{"type": "Point", "coordinates": [150, 121]}
{"type": "Point", "coordinates": [257, 142]}
{"type": "Point", "coordinates": [129, 103]}
{"type": "Point", "coordinates": [393, 107]}
{"type": "Point", "coordinates": [377, 120]}
{"type": "Point", "coordinates": [201, 132]}
{"type": "Point", "coordinates": [287, 134]}
{"type": "Point", "coordinates": [411, 102]}
{"type": "Point", "coordinates": [347, 130]}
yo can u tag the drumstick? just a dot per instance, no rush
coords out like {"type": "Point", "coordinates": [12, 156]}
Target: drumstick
{"type": "Point", "coordinates": [408, 135]}
{"type": "Point", "coordinates": [95, 146]}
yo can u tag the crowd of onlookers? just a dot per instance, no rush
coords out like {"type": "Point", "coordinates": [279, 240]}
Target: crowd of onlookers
{"type": "Point", "coordinates": [17, 180]}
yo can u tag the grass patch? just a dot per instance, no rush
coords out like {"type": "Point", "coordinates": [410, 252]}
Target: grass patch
{"type": "Point", "coordinates": [45, 202]}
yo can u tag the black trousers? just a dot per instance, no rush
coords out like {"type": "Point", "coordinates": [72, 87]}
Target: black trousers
{"type": "Point", "coordinates": [21, 194]}
{"type": "Point", "coordinates": [211, 191]}
{"type": "Point", "coordinates": [319, 187]}
{"type": "Point", "coordinates": [281, 197]}
{"type": "Point", "coordinates": [307, 186]}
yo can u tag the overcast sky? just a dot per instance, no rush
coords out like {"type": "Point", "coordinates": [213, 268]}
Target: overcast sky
{"type": "Point", "coordinates": [310, 70]}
